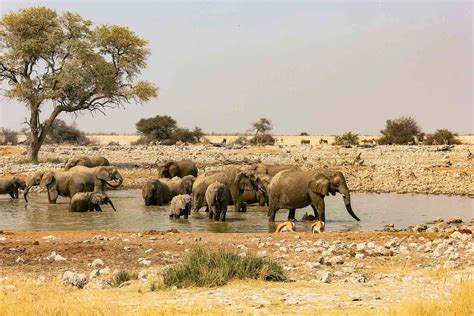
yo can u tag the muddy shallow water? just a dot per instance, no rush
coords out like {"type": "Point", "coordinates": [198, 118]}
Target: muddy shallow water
{"type": "Point", "coordinates": [374, 210]}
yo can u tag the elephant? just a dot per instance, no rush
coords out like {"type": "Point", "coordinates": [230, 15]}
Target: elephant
{"type": "Point", "coordinates": [154, 192]}
{"type": "Point", "coordinates": [89, 201]}
{"type": "Point", "coordinates": [217, 198]}
{"type": "Point", "coordinates": [236, 181]}
{"type": "Point", "coordinates": [179, 185]}
{"type": "Point", "coordinates": [86, 162]}
{"type": "Point", "coordinates": [77, 179]}
{"type": "Point", "coordinates": [10, 186]}
{"type": "Point", "coordinates": [260, 197]}
{"type": "Point", "coordinates": [171, 169]}
{"type": "Point", "coordinates": [271, 170]}
{"type": "Point", "coordinates": [294, 188]}
{"type": "Point", "coordinates": [181, 206]}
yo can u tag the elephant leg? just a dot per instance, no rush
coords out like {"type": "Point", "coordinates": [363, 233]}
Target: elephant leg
{"type": "Point", "coordinates": [98, 208]}
{"type": "Point", "coordinates": [315, 211]}
{"type": "Point", "coordinates": [318, 203]}
{"type": "Point", "coordinates": [197, 202]}
{"type": "Point", "coordinates": [12, 194]}
{"type": "Point", "coordinates": [223, 214]}
{"type": "Point", "coordinates": [291, 214]}
{"type": "Point", "coordinates": [243, 207]}
{"type": "Point", "coordinates": [272, 213]}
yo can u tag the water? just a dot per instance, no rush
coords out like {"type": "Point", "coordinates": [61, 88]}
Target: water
{"type": "Point", "coordinates": [374, 210]}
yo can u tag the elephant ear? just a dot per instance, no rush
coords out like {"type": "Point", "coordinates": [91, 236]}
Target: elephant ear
{"type": "Point", "coordinates": [319, 184]}
{"type": "Point", "coordinates": [103, 175]}
{"type": "Point", "coordinates": [173, 169]}
{"type": "Point", "coordinates": [238, 180]}
{"type": "Point", "coordinates": [47, 179]}
{"type": "Point", "coordinates": [95, 198]}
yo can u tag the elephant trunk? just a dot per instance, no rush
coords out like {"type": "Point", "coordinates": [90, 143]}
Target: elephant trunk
{"type": "Point", "coordinates": [347, 201]}
{"type": "Point", "coordinates": [28, 187]}
{"type": "Point", "coordinates": [112, 185]}
{"type": "Point", "coordinates": [112, 204]}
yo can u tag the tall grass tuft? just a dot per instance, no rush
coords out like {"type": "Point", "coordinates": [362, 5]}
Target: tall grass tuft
{"type": "Point", "coordinates": [206, 268]}
{"type": "Point", "coordinates": [121, 277]}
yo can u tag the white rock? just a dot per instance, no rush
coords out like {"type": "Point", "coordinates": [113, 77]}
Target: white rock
{"type": "Point", "coordinates": [59, 258]}
{"type": "Point", "coordinates": [261, 254]}
{"type": "Point", "coordinates": [149, 250]}
{"type": "Point", "coordinates": [312, 265]}
{"type": "Point", "coordinates": [49, 238]}
{"type": "Point", "coordinates": [180, 242]}
{"type": "Point", "coordinates": [75, 279]}
{"type": "Point", "coordinates": [20, 260]}
{"type": "Point", "coordinates": [326, 277]}
{"type": "Point", "coordinates": [3, 238]}
{"type": "Point", "coordinates": [97, 263]}
{"type": "Point", "coordinates": [104, 271]}
{"type": "Point", "coordinates": [359, 256]}
{"type": "Point", "coordinates": [361, 247]}
{"type": "Point", "coordinates": [144, 261]}
{"type": "Point", "coordinates": [283, 249]}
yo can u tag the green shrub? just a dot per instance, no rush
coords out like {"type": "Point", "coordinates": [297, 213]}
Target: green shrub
{"type": "Point", "coordinates": [347, 139]}
{"type": "Point", "coordinates": [304, 134]}
{"type": "Point", "coordinates": [401, 131]}
{"type": "Point", "coordinates": [442, 137]}
{"type": "Point", "coordinates": [241, 140]}
{"type": "Point", "coordinates": [262, 139]}
{"type": "Point", "coordinates": [121, 277]}
{"type": "Point", "coordinates": [215, 268]}
{"type": "Point", "coordinates": [8, 136]}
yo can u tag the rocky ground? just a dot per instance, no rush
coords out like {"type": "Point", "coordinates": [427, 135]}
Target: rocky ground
{"type": "Point", "coordinates": [335, 271]}
{"type": "Point", "coordinates": [402, 169]}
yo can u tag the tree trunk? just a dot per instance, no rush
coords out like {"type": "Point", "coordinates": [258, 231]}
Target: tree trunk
{"type": "Point", "coordinates": [34, 150]}
{"type": "Point", "coordinates": [38, 130]}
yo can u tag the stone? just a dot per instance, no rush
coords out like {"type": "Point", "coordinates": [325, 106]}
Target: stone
{"type": "Point", "coordinates": [74, 279]}
{"type": "Point", "coordinates": [261, 254]}
{"type": "Point", "coordinates": [49, 238]}
{"type": "Point", "coordinates": [148, 250]}
{"type": "Point", "coordinates": [242, 247]}
{"type": "Point", "coordinates": [336, 260]}
{"type": "Point", "coordinates": [283, 249]}
{"type": "Point", "coordinates": [94, 273]}
{"type": "Point", "coordinates": [104, 271]}
{"type": "Point", "coordinates": [20, 260]}
{"type": "Point", "coordinates": [97, 263]}
{"type": "Point", "coordinates": [144, 261]}
{"type": "Point", "coordinates": [326, 277]}
{"type": "Point", "coordinates": [180, 242]}
{"type": "Point", "coordinates": [312, 265]}
{"type": "Point", "coordinates": [58, 257]}
{"type": "Point", "coordinates": [455, 256]}
{"type": "Point", "coordinates": [142, 274]}
{"type": "Point", "coordinates": [359, 256]}
{"type": "Point", "coordinates": [361, 247]}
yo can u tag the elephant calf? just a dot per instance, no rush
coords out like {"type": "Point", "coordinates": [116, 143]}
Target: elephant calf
{"type": "Point", "coordinates": [11, 186]}
{"type": "Point", "coordinates": [217, 198]}
{"type": "Point", "coordinates": [181, 206]}
{"type": "Point", "coordinates": [89, 201]}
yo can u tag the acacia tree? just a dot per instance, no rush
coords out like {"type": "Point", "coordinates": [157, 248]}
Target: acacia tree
{"type": "Point", "coordinates": [67, 62]}
{"type": "Point", "coordinates": [262, 128]}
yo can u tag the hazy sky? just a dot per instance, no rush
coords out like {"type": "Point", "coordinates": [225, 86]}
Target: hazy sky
{"type": "Point", "coordinates": [323, 67]}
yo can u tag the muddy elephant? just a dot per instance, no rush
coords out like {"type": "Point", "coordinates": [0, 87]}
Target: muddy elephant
{"type": "Point", "coordinates": [270, 170]}
{"type": "Point", "coordinates": [86, 161]}
{"type": "Point", "coordinates": [77, 179]}
{"type": "Point", "coordinates": [11, 186]}
{"type": "Point", "coordinates": [260, 197]}
{"type": "Point", "coordinates": [217, 199]}
{"type": "Point", "coordinates": [181, 168]}
{"type": "Point", "coordinates": [89, 201]}
{"type": "Point", "coordinates": [292, 189]}
{"type": "Point", "coordinates": [236, 181]}
{"type": "Point", "coordinates": [179, 185]}
{"type": "Point", "coordinates": [154, 192]}
{"type": "Point", "coordinates": [181, 206]}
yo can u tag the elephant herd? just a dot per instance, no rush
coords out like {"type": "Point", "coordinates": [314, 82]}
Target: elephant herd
{"type": "Point", "coordinates": [85, 180]}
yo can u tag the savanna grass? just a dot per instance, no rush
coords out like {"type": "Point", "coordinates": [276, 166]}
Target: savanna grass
{"type": "Point", "coordinates": [215, 268]}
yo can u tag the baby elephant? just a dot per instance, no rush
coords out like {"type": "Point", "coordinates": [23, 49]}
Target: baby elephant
{"type": "Point", "coordinates": [181, 206]}
{"type": "Point", "coordinates": [89, 201]}
{"type": "Point", "coordinates": [11, 186]}
{"type": "Point", "coordinates": [217, 198]}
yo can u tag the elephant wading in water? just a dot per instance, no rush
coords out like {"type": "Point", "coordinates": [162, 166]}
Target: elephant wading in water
{"type": "Point", "coordinates": [236, 181]}
{"type": "Point", "coordinates": [154, 192]}
{"type": "Point", "coordinates": [217, 198]}
{"type": "Point", "coordinates": [260, 197]}
{"type": "Point", "coordinates": [171, 169]}
{"type": "Point", "coordinates": [293, 189]}
{"type": "Point", "coordinates": [89, 201]}
{"type": "Point", "coordinates": [179, 185]}
{"type": "Point", "coordinates": [77, 179]}
{"type": "Point", "coordinates": [86, 162]}
{"type": "Point", "coordinates": [11, 186]}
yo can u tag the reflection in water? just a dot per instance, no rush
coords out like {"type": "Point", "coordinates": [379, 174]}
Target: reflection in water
{"type": "Point", "coordinates": [375, 210]}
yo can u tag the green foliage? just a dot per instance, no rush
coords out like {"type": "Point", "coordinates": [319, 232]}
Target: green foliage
{"type": "Point", "coordinates": [121, 277]}
{"type": "Point", "coordinates": [304, 134]}
{"type": "Point", "coordinates": [442, 137]}
{"type": "Point", "coordinates": [401, 131]}
{"type": "Point", "coordinates": [61, 132]}
{"type": "Point", "coordinates": [8, 136]}
{"type": "Point", "coordinates": [347, 139]}
{"type": "Point", "coordinates": [163, 128]}
{"type": "Point", "coordinates": [206, 268]}
{"type": "Point", "coordinates": [64, 60]}
{"type": "Point", "coordinates": [262, 126]}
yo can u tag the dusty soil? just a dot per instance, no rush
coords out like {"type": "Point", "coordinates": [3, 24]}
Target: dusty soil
{"type": "Point", "coordinates": [402, 169]}
{"type": "Point", "coordinates": [339, 271]}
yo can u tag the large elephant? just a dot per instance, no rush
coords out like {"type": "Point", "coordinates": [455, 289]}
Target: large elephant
{"type": "Point", "coordinates": [236, 181]}
{"type": "Point", "coordinates": [11, 186]}
{"type": "Point", "coordinates": [154, 192]}
{"type": "Point", "coordinates": [86, 162]}
{"type": "Point", "coordinates": [260, 197]}
{"type": "Point", "coordinates": [179, 185]}
{"type": "Point", "coordinates": [270, 170]}
{"type": "Point", "coordinates": [89, 201]}
{"type": "Point", "coordinates": [171, 169]}
{"type": "Point", "coordinates": [292, 189]}
{"type": "Point", "coordinates": [77, 179]}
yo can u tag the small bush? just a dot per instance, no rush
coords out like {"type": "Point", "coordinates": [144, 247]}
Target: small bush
{"type": "Point", "coordinates": [304, 134]}
{"type": "Point", "coordinates": [442, 137]}
{"type": "Point", "coordinates": [262, 139]}
{"type": "Point", "coordinates": [401, 131]}
{"type": "Point", "coordinates": [8, 136]}
{"type": "Point", "coordinates": [347, 139]}
{"type": "Point", "coordinates": [241, 140]}
{"type": "Point", "coordinates": [121, 277]}
{"type": "Point", "coordinates": [215, 268]}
